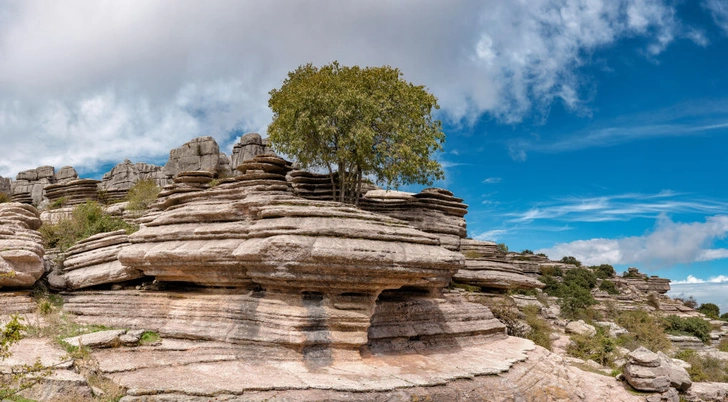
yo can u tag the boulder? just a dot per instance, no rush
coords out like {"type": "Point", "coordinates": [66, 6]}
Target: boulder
{"type": "Point", "coordinates": [580, 328]}
{"type": "Point", "coordinates": [65, 173]}
{"type": "Point", "coordinates": [249, 146]}
{"type": "Point", "coordinates": [116, 183]}
{"type": "Point", "coordinates": [21, 245]}
{"type": "Point", "coordinates": [655, 372]}
{"type": "Point", "coordinates": [100, 339]}
{"type": "Point", "coordinates": [201, 153]}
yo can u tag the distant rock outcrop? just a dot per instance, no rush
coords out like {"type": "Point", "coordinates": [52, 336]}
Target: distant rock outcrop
{"type": "Point", "coordinates": [488, 268]}
{"type": "Point", "coordinates": [29, 184]}
{"type": "Point", "coordinates": [116, 183]}
{"type": "Point", "coordinates": [643, 282]}
{"type": "Point", "coordinates": [21, 246]}
{"type": "Point", "coordinates": [201, 153]}
{"type": "Point", "coordinates": [5, 186]}
{"type": "Point", "coordinates": [250, 145]}
{"type": "Point", "coordinates": [72, 192]}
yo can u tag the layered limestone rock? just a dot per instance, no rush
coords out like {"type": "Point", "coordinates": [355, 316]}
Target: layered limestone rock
{"type": "Point", "coordinates": [655, 372]}
{"type": "Point", "coordinates": [29, 184]}
{"type": "Point", "coordinates": [322, 278]}
{"type": "Point", "coordinates": [487, 267]}
{"type": "Point", "coordinates": [21, 246]}
{"type": "Point", "coordinates": [72, 192]}
{"type": "Point", "coordinates": [433, 210]}
{"type": "Point", "coordinates": [66, 173]}
{"type": "Point", "coordinates": [116, 183]}
{"type": "Point", "coordinates": [643, 282]}
{"type": "Point", "coordinates": [94, 261]}
{"type": "Point", "coordinates": [249, 146]}
{"type": "Point", "coordinates": [5, 186]}
{"type": "Point", "coordinates": [201, 153]}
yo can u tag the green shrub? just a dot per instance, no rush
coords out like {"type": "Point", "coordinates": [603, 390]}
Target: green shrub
{"type": "Point", "coordinates": [603, 271]}
{"type": "Point", "coordinates": [142, 195]}
{"type": "Point", "coordinates": [644, 330]}
{"type": "Point", "coordinates": [709, 309]}
{"type": "Point", "coordinates": [502, 248]}
{"type": "Point", "coordinates": [553, 287]}
{"type": "Point", "coordinates": [149, 337]}
{"type": "Point", "coordinates": [526, 251]}
{"type": "Point", "coordinates": [598, 348]}
{"type": "Point", "coordinates": [86, 220]}
{"type": "Point", "coordinates": [609, 287]}
{"type": "Point", "coordinates": [540, 332]}
{"type": "Point", "coordinates": [571, 260]}
{"type": "Point", "coordinates": [551, 270]}
{"type": "Point", "coordinates": [694, 326]}
{"type": "Point", "coordinates": [581, 277]}
{"type": "Point", "coordinates": [575, 302]}
{"type": "Point", "coordinates": [59, 203]}
{"type": "Point", "coordinates": [4, 198]}
{"type": "Point", "coordinates": [704, 368]}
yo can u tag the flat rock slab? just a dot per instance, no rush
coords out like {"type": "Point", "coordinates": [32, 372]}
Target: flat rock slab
{"type": "Point", "coordinates": [101, 339]}
{"type": "Point", "coordinates": [27, 350]}
{"type": "Point", "coordinates": [203, 371]}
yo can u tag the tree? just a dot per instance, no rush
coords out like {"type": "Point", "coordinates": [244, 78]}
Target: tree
{"type": "Point", "coordinates": [571, 260]}
{"type": "Point", "coordinates": [710, 309]}
{"type": "Point", "coordinates": [359, 121]}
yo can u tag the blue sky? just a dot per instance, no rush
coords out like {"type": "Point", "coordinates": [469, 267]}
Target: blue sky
{"type": "Point", "coordinates": [574, 127]}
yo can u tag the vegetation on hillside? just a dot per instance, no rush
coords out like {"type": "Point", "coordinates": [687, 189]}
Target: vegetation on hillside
{"type": "Point", "coordinates": [142, 195]}
{"type": "Point", "coordinates": [85, 221]}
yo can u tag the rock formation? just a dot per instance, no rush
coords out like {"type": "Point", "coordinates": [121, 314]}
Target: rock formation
{"type": "Point", "coordinates": [5, 186]}
{"type": "Point", "coordinates": [201, 153]}
{"type": "Point", "coordinates": [94, 261]}
{"type": "Point", "coordinates": [486, 267]}
{"type": "Point", "coordinates": [250, 145]}
{"type": "Point", "coordinates": [655, 372]}
{"type": "Point", "coordinates": [116, 183]}
{"type": "Point", "coordinates": [72, 192]}
{"type": "Point", "coordinates": [28, 185]}
{"type": "Point", "coordinates": [21, 246]}
{"type": "Point", "coordinates": [321, 278]}
{"type": "Point", "coordinates": [643, 282]}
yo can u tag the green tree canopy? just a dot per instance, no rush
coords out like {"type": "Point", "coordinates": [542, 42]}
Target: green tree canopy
{"type": "Point", "coordinates": [359, 121]}
{"type": "Point", "coordinates": [710, 309]}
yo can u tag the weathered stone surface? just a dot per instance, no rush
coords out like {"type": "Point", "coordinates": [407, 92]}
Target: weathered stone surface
{"type": "Point", "coordinates": [682, 342]}
{"type": "Point", "coordinates": [73, 191]}
{"type": "Point", "coordinates": [94, 261]}
{"type": "Point", "coordinates": [655, 372]}
{"type": "Point", "coordinates": [201, 153]}
{"type": "Point", "coordinates": [28, 185]}
{"type": "Point", "coordinates": [21, 246]}
{"type": "Point", "coordinates": [249, 146]}
{"type": "Point", "coordinates": [707, 392]}
{"type": "Point", "coordinates": [65, 173]}
{"type": "Point", "coordinates": [580, 328]}
{"type": "Point", "coordinates": [116, 183]}
{"type": "Point", "coordinates": [486, 267]}
{"type": "Point", "coordinates": [101, 339]}
{"type": "Point", "coordinates": [614, 329]}
{"type": "Point", "coordinates": [18, 302]}
{"type": "Point", "coordinates": [644, 283]}
{"type": "Point", "coordinates": [5, 186]}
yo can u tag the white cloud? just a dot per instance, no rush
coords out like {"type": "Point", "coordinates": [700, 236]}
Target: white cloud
{"type": "Point", "coordinates": [492, 180]}
{"type": "Point", "coordinates": [719, 11]}
{"type": "Point", "coordinates": [88, 82]}
{"type": "Point", "coordinates": [668, 244]}
{"type": "Point", "coordinates": [491, 235]}
{"type": "Point", "coordinates": [692, 279]}
{"type": "Point", "coordinates": [618, 207]}
{"type": "Point", "coordinates": [703, 292]}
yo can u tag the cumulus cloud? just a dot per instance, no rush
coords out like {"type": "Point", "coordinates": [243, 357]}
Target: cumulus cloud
{"type": "Point", "coordinates": [691, 280]}
{"type": "Point", "coordinates": [669, 243]}
{"type": "Point", "coordinates": [88, 82]}
{"type": "Point", "coordinates": [703, 291]}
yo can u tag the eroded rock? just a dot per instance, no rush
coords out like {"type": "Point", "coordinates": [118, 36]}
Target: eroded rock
{"type": "Point", "coordinates": [21, 245]}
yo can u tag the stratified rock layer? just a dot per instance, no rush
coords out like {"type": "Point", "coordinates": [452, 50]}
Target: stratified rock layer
{"type": "Point", "coordinates": [488, 268]}
{"type": "Point", "coordinates": [21, 246]}
{"type": "Point", "coordinates": [322, 278]}
{"type": "Point", "coordinates": [201, 153]}
{"type": "Point", "coordinates": [94, 261]}
{"type": "Point", "coordinates": [72, 192]}
{"type": "Point", "coordinates": [116, 183]}
{"type": "Point", "coordinates": [249, 146]}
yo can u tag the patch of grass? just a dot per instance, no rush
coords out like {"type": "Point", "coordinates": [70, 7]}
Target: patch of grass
{"type": "Point", "coordinates": [113, 392]}
{"type": "Point", "coordinates": [59, 203]}
{"type": "Point", "coordinates": [644, 330]}
{"type": "Point", "coordinates": [723, 345]}
{"type": "Point", "coordinates": [142, 195]}
{"type": "Point", "coordinates": [86, 220]}
{"type": "Point", "coordinates": [540, 332]}
{"type": "Point", "coordinates": [149, 337]}
{"type": "Point", "coordinates": [598, 348]}
{"type": "Point", "coordinates": [704, 368]}
{"type": "Point", "coordinates": [472, 254]}
{"type": "Point", "coordinates": [4, 198]}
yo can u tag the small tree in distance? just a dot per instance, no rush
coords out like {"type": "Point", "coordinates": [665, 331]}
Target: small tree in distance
{"type": "Point", "coordinates": [359, 121]}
